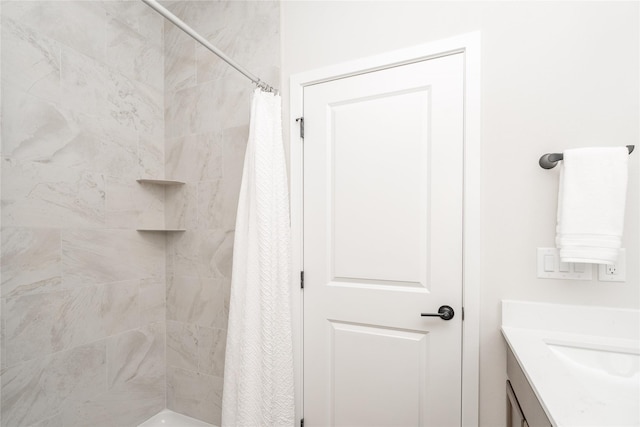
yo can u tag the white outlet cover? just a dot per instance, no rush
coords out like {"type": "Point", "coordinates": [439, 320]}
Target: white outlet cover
{"type": "Point", "coordinates": [621, 269]}
{"type": "Point", "coordinates": [568, 271]}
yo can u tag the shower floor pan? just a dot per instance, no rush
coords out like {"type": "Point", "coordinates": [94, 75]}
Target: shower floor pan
{"type": "Point", "coordinates": [169, 418]}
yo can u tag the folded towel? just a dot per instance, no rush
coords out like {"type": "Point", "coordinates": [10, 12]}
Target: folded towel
{"type": "Point", "coordinates": [591, 204]}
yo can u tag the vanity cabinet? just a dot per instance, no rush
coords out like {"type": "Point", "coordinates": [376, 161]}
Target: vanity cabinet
{"type": "Point", "coordinates": [515, 417]}
{"type": "Point", "coordinates": [523, 407]}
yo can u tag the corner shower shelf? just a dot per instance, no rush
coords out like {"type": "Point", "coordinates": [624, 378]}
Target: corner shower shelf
{"type": "Point", "coordinates": [162, 229]}
{"type": "Point", "coordinates": [163, 182]}
{"type": "Point", "coordinates": [159, 181]}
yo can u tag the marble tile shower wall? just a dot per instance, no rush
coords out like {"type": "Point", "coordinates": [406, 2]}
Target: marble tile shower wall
{"type": "Point", "coordinates": [83, 293]}
{"type": "Point", "coordinates": [207, 111]}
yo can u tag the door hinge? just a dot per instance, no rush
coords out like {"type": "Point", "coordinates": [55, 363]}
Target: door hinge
{"type": "Point", "coordinates": [301, 121]}
{"type": "Point", "coordinates": [302, 422]}
{"type": "Point", "coordinates": [302, 280]}
{"type": "Point", "coordinates": [463, 314]}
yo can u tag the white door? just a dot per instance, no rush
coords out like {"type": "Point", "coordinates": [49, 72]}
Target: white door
{"type": "Point", "coordinates": [382, 244]}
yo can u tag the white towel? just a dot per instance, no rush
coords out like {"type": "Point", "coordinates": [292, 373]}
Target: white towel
{"type": "Point", "coordinates": [258, 372]}
{"type": "Point", "coordinates": [591, 204]}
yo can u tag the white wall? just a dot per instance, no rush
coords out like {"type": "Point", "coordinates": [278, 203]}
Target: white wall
{"type": "Point", "coordinates": [555, 75]}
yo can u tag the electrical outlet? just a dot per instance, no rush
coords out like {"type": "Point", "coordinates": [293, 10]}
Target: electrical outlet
{"type": "Point", "coordinates": [614, 272]}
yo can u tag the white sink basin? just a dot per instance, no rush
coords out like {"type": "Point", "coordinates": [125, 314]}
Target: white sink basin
{"type": "Point", "coordinates": [603, 373]}
{"type": "Point", "coordinates": [583, 363]}
{"type": "Point", "coordinates": [617, 364]}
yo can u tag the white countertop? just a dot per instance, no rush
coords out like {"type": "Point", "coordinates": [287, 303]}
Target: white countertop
{"type": "Point", "coordinates": [582, 362]}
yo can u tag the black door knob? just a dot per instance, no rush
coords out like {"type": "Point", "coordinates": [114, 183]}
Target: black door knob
{"type": "Point", "coordinates": [444, 312]}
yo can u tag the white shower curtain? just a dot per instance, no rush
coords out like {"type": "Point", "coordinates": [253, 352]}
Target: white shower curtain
{"type": "Point", "coordinates": [258, 374]}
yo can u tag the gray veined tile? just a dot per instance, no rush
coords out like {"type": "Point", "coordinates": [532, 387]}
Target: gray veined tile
{"type": "Point", "coordinates": [136, 382]}
{"type": "Point", "coordinates": [150, 24]}
{"type": "Point", "coordinates": [95, 145]}
{"type": "Point", "coordinates": [210, 204]}
{"type": "Point", "coordinates": [44, 131]}
{"type": "Point", "coordinates": [44, 195]}
{"type": "Point", "coordinates": [117, 408]}
{"type": "Point", "coordinates": [68, 22]}
{"type": "Point", "coordinates": [195, 158]}
{"type": "Point", "coordinates": [136, 106]}
{"type": "Point", "coordinates": [45, 323]}
{"type": "Point", "coordinates": [133, 54]}
{"type": "Point", "coordinates": [170, 254]}
{"type": "Point", "coordinates": [212, 344]}
{"type": "Point", "coordinates": [209, 66]}
{"type": "Point", "coordinates": [180, 65]}
{"type": "Point", "coordinates": [263, 46]}
{"type": "Point", "coordinates": [151, 300]}
{"type": "Point", "coordinates": [209, 18]}
{"type": "Point", "coordinates": [234, 146]}
{"type": "Point", "coordinates": [39, 131]}
{"type": "Point", "coordinates": [137, 16]}
{"type": "Point", "coordinates": [182, 345]}
{"type": "Point", "coordinates": [106, 256]}
{"type": "Point", "coordinates": [34, 391]}
{"type": "Point", "coordinates": [30, 61]}
{"type": "Point", "coordinates": [197, 300]}
{"type": "Point", "coordinates": [151, 157]}
{"type": "Point", "coordinates": [221, 105]}
{"type": "Point", "coordinates": [31, 260]}
{"type": "Point", "coordinates": [32, 128]}
{"type": "Point", "coordinates": [140, 107]}
{"type": "Point", "coordinates": [136, 357]}
{"type": "Point", "coordinates": [194, 394]}
{"type": "Point", "coordinates": [54, 421]}
{"type": "Point", "coordinates": [124, 104]}
{"type": "Point", "coordinates": [202, 253]}
{"type": "Point", "coordinates": [132, 205]}
{"type": "Point", "coordinates": [243, 31]}
{"type": "Point", "coordinates": [190, 12]}
{"type": "Point", "coordinates": [224, 255]}
{"type": "Point", "coordinates": [246, 31]}
{"type": "Point", "coordinates": [181, 206]}
{"type": "Point", "coordinates": [226, 295]}
{"type": "Point", "coordinates": [173, 35]}
{"type": "Point", "coordinates": [41, 324]}
{"type": "Point", "coordinates": [125, 11]}
{"type": "Point", "coordinates": [209, 107]}
{"type": "Point", "coordinates": [85, 83]}
{"type": "Point", "coordinates": [120, 307]}
{"type": "Point", "coordinates": [178, 113]}
{"type": "Point", "coordinates": [95, 129]}
{"type": "Point", "coordinates": [206, 253]}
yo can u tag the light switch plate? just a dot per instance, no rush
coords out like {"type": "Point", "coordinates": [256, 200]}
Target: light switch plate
{"type": "Point", "coordinates": [616, 272]}
{"type": "Point", "coordinates": [550, 267]}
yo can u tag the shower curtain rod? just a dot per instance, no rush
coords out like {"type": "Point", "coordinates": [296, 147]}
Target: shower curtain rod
{"type": "Point", "coordinates": [184, 27]}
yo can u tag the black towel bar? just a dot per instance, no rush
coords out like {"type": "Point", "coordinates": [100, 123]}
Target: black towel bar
{"type": "Point", "coordinates": [550, 160]}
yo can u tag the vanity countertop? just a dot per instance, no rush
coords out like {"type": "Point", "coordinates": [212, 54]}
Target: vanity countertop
{"type": "Point", "coordinates": [581, 361]}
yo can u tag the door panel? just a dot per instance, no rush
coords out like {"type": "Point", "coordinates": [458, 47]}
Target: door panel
{"type": "Point", "coordinates": [391, 180]}
{"type": "Point", "coordinates": [359, 397]}
{"type": "Point", "coordinates": [382, 244]}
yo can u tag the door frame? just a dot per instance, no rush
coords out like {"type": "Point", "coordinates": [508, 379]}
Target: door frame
{"type": "Point", "coordinates": [469, 44]}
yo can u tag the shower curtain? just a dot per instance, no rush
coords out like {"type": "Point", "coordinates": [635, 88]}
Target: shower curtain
{"type": "Point", "coordinates": [258, 374]}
